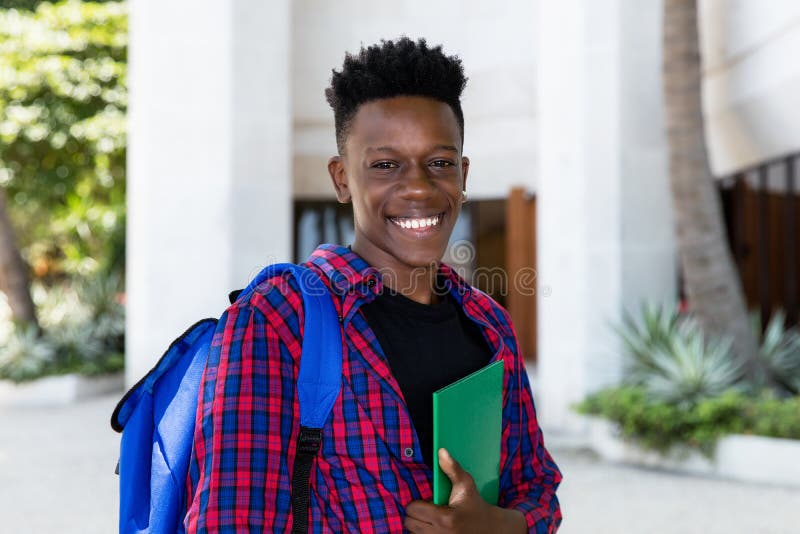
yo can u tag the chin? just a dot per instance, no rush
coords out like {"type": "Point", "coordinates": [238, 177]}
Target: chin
{"type": "Point", "coordinates": [422, 258]}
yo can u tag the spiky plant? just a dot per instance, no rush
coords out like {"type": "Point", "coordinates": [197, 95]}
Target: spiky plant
{"type": "Point", "coordinates": [673, 360]}
{"type": "Point", "coordinates": [100, 295]}
{"type": "Point", "coordinates": [26, 354]}
{"type": "Point", "coordinates": [83, 327]}
{"type": "Point", "coordinates": [692, 368]}
{"type": "Point", "coordinates": [656, 326]}
{"type": "Point", "coordinates": [777, 364]}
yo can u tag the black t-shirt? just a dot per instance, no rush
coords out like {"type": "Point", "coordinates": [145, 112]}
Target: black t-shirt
{"type": "Point", "coordinates": [428, 347]}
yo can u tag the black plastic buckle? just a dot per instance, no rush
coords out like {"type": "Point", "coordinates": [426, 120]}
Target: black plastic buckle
{"type": "Point", "coordinates": [309, 440]}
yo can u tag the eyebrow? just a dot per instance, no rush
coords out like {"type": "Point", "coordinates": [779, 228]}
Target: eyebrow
{"type": "Point", "coordinates": [449, 148]}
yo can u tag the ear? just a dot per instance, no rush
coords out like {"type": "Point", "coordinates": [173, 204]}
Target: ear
{"type": "Point", "coordinates": [339, 178]}
{"type": "Point", "coordinates": [464, 171]}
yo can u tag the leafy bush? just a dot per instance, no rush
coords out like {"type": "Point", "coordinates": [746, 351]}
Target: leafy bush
{"type": "Point", "coordinates": [779, 418]}
{"type": "Point", "coordinates": [63, 100]}
{"type": "Point", "coordinates": [660, 425]}
{"type": "Point", "coordinates": [83, 327]}
{"type": "Point", "coordinates": [680, 387]}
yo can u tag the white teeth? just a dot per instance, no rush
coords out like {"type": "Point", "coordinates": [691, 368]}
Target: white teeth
{"type": "Point", "coordinates": [417, 223]}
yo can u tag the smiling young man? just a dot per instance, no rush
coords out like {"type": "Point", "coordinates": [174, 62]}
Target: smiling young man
{"type": "Point", "coordinates": [410, 325]}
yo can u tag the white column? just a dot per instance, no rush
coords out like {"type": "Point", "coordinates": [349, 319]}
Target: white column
{"type": "Point", "coordinates": [209, 169]}
{"type": "Point", "coordinates": [604, 218]}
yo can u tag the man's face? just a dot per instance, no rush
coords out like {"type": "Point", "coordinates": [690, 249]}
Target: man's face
{"type": "Point", "coordinates": [404, 173]}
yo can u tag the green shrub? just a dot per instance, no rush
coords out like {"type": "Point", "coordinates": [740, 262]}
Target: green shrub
{"type": "Point", "coordinates": [660, 425]}
{"type": "Point", "coordinates": [83, 331]}
{"type": "Point", "coordinates": [25, 354]}
{"type": "Point", "coordinates": [779, 418]}
{"type": "Point", "coordinates": [679, 387]}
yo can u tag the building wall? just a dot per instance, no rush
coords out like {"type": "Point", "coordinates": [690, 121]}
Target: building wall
{"type": "Point", "coordinates": [751, 80]}
{"type": "Point", "coordinates": [495, 40]}
{"type": "Point", "coordinates": [240, 124]}
{"type": "Point", "coordinates": [604, 225]}
{"type": "Point", "coordinates": [208, 161]}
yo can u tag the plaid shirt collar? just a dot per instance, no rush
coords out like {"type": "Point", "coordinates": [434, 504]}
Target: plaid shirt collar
{"type": "Point", "coordinates": [349, 273]}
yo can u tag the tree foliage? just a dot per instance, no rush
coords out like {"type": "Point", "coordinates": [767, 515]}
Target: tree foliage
{"type": "Point", "coordinates": [63, 100]}
{"type": "Point", "coordinates": [30, 5]}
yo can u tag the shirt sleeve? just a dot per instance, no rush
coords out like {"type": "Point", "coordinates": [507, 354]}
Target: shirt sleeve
{"type": "Point", "coordinates": [239, 479]}
{"type": "Point", "coordinates": [529, 477]}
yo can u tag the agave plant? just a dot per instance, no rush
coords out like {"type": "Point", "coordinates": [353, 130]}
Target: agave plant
{"type": "Point", "coordinates": [25, 354]}
{"type": "Point", "coordinates": [692, 368]}
{"type": "Point", "coordinates": [100, 295]}
{"type": "Point", "coordinates": [673, 360]}
{"type": "Point", "coordinates": [83, 331]}
{"type": "Point", "coordinates": [641, 339]}
{"type": "Point", "coordinates": [777, 364]}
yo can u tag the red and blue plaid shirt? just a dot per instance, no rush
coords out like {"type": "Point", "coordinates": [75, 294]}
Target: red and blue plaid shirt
{"type": "Point", "coordinates": [248, 422]}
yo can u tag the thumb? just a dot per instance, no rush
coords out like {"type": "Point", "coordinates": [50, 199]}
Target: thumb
{"type": "Point", "coordinates": [461, 480]}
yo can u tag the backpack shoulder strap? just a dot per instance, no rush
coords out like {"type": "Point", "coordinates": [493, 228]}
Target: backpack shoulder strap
{"type": "Point", "coordinates": [320, 377]}
{"type": "Point", "coordinates": [319, 381]}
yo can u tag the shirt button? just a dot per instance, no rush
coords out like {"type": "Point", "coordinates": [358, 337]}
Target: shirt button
{"type": "Point", "coordinates": [408, 452]}
{"type": "Point", "coordinates": [371, 282]}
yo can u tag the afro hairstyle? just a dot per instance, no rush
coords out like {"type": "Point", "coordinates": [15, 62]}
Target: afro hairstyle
{"type": "Point", "coordinates": [394, 68]}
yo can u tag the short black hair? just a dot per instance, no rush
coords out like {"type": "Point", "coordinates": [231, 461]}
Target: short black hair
{"type": "Point", "coordinates": [394, 68]}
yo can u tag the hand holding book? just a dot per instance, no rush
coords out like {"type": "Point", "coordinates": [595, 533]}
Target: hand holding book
{"type": "Point", "coordinates": [466, 510]}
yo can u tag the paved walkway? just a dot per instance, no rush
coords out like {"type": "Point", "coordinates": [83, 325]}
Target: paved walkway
{"type": "Point", "coordinates": [57, 476]}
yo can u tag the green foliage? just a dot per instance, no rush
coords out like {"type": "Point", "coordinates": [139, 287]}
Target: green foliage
{"type": "Point", "coordinates": [776, 417]}
{"type": "Point", "coordinates": [30, 5]}
{"type": "Point", "coordinates": [83, 329]}
{"type": "Point", "coordinates": [778, 362]}
{"type": "Point", "coordinates": [681, 388]}
{"type": "Point", "coordinates": [660, 425]}
{"type": "Point", "coordinates": [671, 358]}
{"type": "Point", "coordinates": [63, 99]}
{"type": "Point", "coordinates": [25, 354]}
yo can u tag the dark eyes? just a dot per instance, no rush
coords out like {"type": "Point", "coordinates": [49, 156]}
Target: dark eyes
{"type": "Point", "coordinates": [384, 165]}
{"type": "Point", "coordinates": [441, 163]}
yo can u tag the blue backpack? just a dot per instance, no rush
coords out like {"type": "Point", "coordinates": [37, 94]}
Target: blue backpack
{"type": "Point", "coordinates": [157, 416]}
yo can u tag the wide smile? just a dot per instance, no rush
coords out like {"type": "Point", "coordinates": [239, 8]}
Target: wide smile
{"type": "Point", "coordinates": [419, 226]}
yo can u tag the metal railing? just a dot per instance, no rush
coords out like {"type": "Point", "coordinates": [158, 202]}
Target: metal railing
{"type": "Point", "coordinates": [761, 205]}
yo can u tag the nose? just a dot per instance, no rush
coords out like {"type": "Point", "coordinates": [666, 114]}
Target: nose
{"type": "Point", "coordinates": [416, 183]}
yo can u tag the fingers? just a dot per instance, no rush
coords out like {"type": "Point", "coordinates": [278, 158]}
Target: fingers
{"type": "Point", "coordinates": [463, 483]}
{"type": "Point", "coordinates": [424, 517]}
{"type": "Point", "coordinates": [451, 467]}
{"type": "Point", "coordinates": [416, 526]}
{"type": "Point", "coordinates": [422, 511]}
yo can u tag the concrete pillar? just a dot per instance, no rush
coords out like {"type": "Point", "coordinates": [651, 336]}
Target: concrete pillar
{"type": "Point", "coordinates": [209, 165]}
{"type": "Point", "coordinates": [604, 218]}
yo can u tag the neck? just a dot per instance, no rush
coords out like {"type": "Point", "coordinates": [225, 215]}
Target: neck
{"type": "Point", "coordinates": [417, 285]}
{"type": "Point", "coordinates": [414, 282]}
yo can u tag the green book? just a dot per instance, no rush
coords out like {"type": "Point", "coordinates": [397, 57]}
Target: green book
{"type": "Point", "coordinates": [467, 421]}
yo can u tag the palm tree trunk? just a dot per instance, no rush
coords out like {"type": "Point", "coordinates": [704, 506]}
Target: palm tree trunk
{"type": "Point", "coordinates": [13, 271]}
{"type": "Point", "coordinates": [711, 281]}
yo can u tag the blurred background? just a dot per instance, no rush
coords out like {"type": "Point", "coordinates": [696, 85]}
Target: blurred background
{"type": "Point", "coordinates": [633, 201]}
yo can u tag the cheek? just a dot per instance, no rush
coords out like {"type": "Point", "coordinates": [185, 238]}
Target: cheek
{"type": "Point", "coordinates": [367, 206]}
